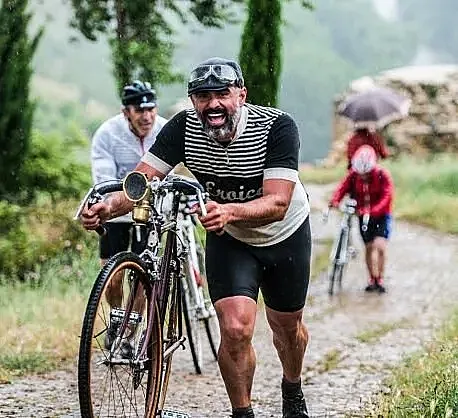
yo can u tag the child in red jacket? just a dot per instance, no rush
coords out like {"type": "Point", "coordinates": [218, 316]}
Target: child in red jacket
{"type": "Point", "coordinates": [372, 188]}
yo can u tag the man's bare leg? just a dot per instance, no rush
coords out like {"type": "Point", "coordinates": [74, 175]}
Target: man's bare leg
{"type": "Point", "coordinates": [290, 338]}
{"type": "Point", "coordinates": [236, 356]}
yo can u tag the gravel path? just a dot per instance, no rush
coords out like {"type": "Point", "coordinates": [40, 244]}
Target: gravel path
{"type": "Point", "coordinates": [341, 372]}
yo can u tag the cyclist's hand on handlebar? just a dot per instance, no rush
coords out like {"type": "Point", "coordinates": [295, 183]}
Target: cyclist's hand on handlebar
{"type": "Point", "coordinates": [217, 217]}
{"type": "Point", "coordinates": [95, 216]}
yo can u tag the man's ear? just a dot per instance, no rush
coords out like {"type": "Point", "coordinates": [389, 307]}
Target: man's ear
{"type": "Point", "coordinates": [242, 96]}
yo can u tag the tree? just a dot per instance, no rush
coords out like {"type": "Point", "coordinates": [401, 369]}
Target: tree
{"type": "Point", "coordinates": [260, 53]}
{"type": "Point", "coordinates": [16, 108]}
{"type": "Point", "coordinates": [140, 32]}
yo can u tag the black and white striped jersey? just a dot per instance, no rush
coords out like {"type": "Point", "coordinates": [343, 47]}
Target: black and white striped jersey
{"type": "Point", "coordinates": [266, 146]}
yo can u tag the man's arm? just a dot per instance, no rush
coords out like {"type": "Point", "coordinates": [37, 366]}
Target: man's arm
{"type": "Point", "coordinates": [116, 204]}
{"type": "Point", "coordinates": [102, 159]}
{"type": "Point", "coordinates": [271, 207]}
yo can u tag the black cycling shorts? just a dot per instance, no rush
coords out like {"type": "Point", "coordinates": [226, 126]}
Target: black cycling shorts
{"type": "Point", "coordinates": [380, 226]}
{"type": "Point", "coordinates": [118, 238]}
{"type": "Point", "coordinates": [281, 271]}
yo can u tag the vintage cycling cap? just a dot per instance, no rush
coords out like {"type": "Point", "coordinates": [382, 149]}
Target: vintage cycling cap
{"type": "Point", "coordinates": [215, 74]}
{"type": "Point", "coordinates": [139, 93]}
{"type": "Point", "coordinates": [364, 160]}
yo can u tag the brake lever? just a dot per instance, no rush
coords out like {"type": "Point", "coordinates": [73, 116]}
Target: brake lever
{"type": "Point", "coordinates": [200, 198]}
{"type": "Point", "coordinates": [83, 204]}
{"type": "Point", "coordinates": [90, 199]}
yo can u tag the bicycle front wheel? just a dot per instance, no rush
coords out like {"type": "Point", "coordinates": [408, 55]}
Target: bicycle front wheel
{"type": "Point", "coordinates": [116, 378]}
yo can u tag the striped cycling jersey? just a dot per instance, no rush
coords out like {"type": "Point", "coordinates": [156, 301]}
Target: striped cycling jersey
{"type": "Point", "coordinates": [266, 146]}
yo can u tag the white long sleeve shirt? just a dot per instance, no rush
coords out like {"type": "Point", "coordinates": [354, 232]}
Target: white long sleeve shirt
{"type": "Point", "coordinates": [116, 150]}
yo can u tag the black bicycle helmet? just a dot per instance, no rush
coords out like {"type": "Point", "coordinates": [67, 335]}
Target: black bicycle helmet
{"type": "Point", "coordinates": [139, 93]}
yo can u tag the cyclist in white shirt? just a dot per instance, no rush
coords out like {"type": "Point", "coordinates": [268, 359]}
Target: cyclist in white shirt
{"type": "Point", "coordinates": [117, 147]}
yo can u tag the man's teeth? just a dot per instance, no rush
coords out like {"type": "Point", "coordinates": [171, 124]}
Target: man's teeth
{"type": "Point", "coordinates": [215, 115]}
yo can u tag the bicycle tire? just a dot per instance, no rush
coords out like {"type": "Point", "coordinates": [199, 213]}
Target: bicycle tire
{"type": "Point", "coordinates": [335, 266]}
{"type": "Point", "coordinates": [193, 328]}
{"type": "Point", "coordinates": [100, 370]}
{"type": "Point", "coordinates": [170, 309]}
{"type": "Point", "coordinates": [211, 323]}
{"type": "Point", "coordinates": [213, 334]}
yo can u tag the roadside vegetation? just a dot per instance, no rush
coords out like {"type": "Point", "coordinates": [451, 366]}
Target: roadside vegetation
{"type": "Point", "coordinates": [42, 314]}
{"type": "Point", "coordinates": [426, 385]}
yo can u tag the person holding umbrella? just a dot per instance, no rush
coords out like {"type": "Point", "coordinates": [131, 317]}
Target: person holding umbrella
{"type": "Point", "coordinates": [369, 111]}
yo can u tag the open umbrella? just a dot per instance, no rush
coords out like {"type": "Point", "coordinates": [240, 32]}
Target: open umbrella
{"type": "Point", "coordinates": [377, 107]}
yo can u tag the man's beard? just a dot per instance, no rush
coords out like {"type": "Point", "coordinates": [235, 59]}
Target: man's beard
{"type": "Point", "coordinates": [222, 133]}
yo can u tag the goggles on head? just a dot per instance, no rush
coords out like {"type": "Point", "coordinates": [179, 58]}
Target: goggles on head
{"type": "Point", "coordinates": [222, 72]}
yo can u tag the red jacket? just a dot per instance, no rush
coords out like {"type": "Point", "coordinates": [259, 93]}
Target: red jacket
{"type": "Point", "coordinates": [374, 195]}
{"type": "Point", "coordinates": [366, 138]}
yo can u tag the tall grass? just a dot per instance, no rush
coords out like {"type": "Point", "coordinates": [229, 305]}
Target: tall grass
{"type": "Point", "coordinates": [41, 317]}
{"type": "Point", "coordinates": [427, 191]}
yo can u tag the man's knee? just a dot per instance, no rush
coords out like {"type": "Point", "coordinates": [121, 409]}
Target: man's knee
{"type": "Point", "coordinates": [285, 325]}
{"type": "Point", "coordinates": [236, 319]}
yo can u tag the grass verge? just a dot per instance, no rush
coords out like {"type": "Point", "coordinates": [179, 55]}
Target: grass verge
{"type": "Point", "coordinates": [377, 331]}
{"type": "Point", "coordinates": [41, 317]}
{"type": "Point", "coordinates": [427, 384]}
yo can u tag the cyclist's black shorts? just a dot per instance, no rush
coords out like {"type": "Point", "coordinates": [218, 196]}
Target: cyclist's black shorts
{"type": "Point", "coordinates": [379, 226]}
{"type": "Point", "coordinates": [281, 271]}
{"type": "Point", "coordinates": [118, 238]}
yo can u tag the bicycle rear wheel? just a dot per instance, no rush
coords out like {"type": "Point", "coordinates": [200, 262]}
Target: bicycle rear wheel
{"type": "Point", "coordinates": [213, 333]}
{"type": "Point", "coordinates": [113, 381]}
{"type": "Point", "coordinates": [193, 329]}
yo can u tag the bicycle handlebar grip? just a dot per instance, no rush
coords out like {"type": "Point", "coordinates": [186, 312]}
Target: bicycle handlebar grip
{"type": "Point", "coordinates": [101, 230]}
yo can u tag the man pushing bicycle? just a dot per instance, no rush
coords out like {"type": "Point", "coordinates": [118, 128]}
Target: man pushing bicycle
{"type": "Point", "coordinates": [258, 231]}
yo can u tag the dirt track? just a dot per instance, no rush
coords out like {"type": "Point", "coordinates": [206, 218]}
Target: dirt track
{"type": "Point", "coordinates": [341, 373]}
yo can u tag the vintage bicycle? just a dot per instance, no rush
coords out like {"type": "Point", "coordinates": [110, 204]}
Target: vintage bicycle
{"type": "Point", "coordinates": [342, 249]}
{"type": "Point", "coordinates": [127, 345]}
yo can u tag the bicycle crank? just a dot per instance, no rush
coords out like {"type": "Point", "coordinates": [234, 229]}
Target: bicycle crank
{"type": "Point", "coordinates": [168, 413]}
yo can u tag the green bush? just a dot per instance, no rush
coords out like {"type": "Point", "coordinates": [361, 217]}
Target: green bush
{"type": "Point", "coordinates": [54, 168]}
{"type": "Point", "coordinates": [35, 234]}
{"type": "Point", "coordinates": [53, 174]}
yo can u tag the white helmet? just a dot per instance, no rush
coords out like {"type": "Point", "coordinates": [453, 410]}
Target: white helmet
{"type": "Point", "coordinates": [364, 160]}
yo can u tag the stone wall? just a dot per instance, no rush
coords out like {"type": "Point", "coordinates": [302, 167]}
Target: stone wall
{"type": "Point", "coordinates": [432, 124]}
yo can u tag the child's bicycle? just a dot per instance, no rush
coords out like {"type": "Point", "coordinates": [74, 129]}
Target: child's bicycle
{"type": "Point", "coordinates": [127, 345]}
{"type": "Point", "coordinates": [342, 248]}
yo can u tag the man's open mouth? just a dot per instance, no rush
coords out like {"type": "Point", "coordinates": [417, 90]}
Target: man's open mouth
{"type": "Point", "coordinates": [216, 119]}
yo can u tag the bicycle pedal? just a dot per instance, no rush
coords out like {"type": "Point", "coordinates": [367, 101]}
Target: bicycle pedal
{"type": "Point", "coordinates": [169, 413]}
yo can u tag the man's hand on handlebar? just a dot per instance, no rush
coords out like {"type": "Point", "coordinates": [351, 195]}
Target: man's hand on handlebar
{"type": "Point", "coordinates": [95, 216]}
{"type": "Point", "coordinates": [216, 218]}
